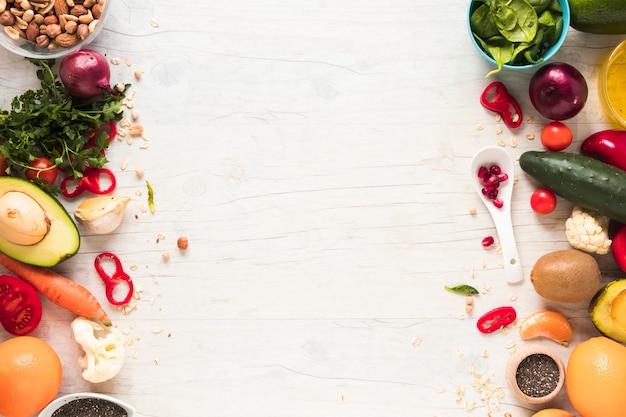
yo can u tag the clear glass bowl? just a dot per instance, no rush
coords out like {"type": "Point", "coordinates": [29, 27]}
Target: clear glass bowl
{"type": "Point", "coordinates": [29, 49]}
{"type": "Point", "coordinates": [612, 86]}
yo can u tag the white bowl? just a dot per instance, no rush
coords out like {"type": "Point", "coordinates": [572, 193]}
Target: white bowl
{"type": "Point", "coordinates": [59, 402]}
{"type": "Point", "coordinates": [29, 49]}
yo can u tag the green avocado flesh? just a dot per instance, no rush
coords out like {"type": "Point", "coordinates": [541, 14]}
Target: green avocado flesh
{"type": "Point", "coordinates": [608, 310]}
{"type": "Point", "coordinates": [59, 242]}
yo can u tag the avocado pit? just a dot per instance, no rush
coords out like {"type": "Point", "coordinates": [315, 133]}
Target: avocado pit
{"type": "Point", "coordinates": [22, 220]}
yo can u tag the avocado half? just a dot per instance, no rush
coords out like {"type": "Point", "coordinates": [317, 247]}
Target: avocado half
{"type": "Point", "coordinates": [59, 241]}
{"type": "Point", "coordinates": [608, 310]}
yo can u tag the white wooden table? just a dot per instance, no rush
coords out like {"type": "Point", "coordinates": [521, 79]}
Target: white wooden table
{"type": "Point", "coordinates": [315, 154]}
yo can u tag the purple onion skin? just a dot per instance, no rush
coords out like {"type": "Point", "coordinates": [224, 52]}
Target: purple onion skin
{"type": "Point", "coordinates": [86, 74]}
{"type": "Point", "coordinates": [558, 91]}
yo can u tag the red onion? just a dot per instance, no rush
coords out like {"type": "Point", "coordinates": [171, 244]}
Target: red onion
{"type": "Point", "coordinates": [86, 74]}
{"type": "Point", "coordinates": [558, 91]}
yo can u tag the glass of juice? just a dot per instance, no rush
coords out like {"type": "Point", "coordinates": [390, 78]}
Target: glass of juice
{"type": "Point", "coordinates": [613, 85]}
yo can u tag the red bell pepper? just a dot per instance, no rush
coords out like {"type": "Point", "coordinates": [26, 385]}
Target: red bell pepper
{"type": "Point", "coordinates": [607, 145]}
{"type": "Point", "coordinates": [618, 247]}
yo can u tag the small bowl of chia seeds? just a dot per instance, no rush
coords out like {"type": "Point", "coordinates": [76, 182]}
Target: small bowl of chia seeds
{"type": "Point", "coordinates": [535, 374]}
{"type": "Point", "coordinates": [87, 404]}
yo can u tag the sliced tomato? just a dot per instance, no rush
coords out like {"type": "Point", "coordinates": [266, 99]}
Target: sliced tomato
{"type": "Point", "coordinates": [496, 319]}
{"type": "Point", "coordinates": [20, 306]}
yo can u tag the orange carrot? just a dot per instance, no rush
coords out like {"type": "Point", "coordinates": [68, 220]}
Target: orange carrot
{"type": "Point", "coordinates": [58, 289]}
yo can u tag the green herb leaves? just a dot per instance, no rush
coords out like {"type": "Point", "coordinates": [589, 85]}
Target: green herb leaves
{"type": "Point", "coordinates": [462, 289]}
{"type": "Point", "coordinates": [49, 123]}
{"type": "Point", "coordinates": [516, 32]}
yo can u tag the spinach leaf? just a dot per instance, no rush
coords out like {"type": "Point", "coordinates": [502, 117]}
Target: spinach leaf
{"type": "Point", "coordinates": [516, 19]}
{"type": "Point", "coordinates": [483, 23]}
{"type": "Point", "coordinates": [540, 5]}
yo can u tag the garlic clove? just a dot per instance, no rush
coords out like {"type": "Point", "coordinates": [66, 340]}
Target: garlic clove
{"type": "Point", "coordinates": [103, 214]}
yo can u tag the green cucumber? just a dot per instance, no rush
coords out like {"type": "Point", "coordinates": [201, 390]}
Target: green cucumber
{"type": "Point", "coordinates": [580, 179]}
{"type": "Point", "coordinates": [598, 16]}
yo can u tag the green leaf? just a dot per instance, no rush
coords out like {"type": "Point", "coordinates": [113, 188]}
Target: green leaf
{"type": "Point", "coordinates": [539, 5]}
{"type": "Point", "coordinates": [482, 22]}
{"type": "Point", "coordinates": [463, 289]}
{"type": "Point", "coordinates": [516, 19]}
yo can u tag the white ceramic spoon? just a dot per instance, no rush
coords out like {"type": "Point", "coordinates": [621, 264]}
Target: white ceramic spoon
{"type": "Point", "coordinates": [488, 156]}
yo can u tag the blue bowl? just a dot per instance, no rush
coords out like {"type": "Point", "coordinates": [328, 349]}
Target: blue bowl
{"type": "Point", "coordinates": [546, 55]}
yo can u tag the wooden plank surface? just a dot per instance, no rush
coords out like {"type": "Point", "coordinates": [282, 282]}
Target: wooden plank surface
{"type": "Point", "coordinates": [316, 155]}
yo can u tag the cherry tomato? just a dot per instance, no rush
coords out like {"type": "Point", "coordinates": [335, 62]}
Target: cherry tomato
{"type": "Point", "coordinates": [20, 306]}
{"type": "Point", "coordinates": [42, 170]}
{"type": "Point", "coordinates": [496, 319]}
{"type": "Point", "coordinates": [3, 166]}
{"type": "Point", "coordinates": [556, 136]}
{"type": "Point", "coordinates": [543, 201]}
{"type": "Point", "coordinates": [618, 247]}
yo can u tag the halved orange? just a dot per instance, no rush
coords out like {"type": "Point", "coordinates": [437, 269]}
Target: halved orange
{"type": "Point", "coordinates": [546, 323]}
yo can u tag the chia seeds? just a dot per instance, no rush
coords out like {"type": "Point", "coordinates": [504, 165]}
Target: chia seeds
{"type": "Point", "coordinates": [90, 407]}
{"type": "Point", "coordinates": [537, 375]}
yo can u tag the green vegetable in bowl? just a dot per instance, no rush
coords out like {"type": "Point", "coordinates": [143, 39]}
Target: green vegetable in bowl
{"type": "Point", "coordinates": [516, 32]}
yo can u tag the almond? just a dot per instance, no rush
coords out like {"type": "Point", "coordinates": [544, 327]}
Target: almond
{"type": "Point", "coordinates": [66, 40]}
{"type": "Point", "coordinates": [32, 31]}
{"type": "Point", "coordinates": [60, 7]}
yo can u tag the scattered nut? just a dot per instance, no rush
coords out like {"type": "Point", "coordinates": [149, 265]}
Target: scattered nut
{"type": "Point", "coordinates": [182, 243]}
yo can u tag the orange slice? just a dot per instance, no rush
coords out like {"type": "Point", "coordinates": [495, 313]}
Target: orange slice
{"type": "Point", "coordinates": [548, 324]}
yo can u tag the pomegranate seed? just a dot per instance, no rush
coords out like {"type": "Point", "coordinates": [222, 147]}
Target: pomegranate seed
{"type": "Point", "coordinates": [488, 241]}
{"type": "Point", "coordinates": [503, 177]}
{"type": "Point", "coordinates": [498, 202]}
{"type": "Point", "coordinates": [495, 170]}
{"type": "Point", "coordinates": [482, 172]}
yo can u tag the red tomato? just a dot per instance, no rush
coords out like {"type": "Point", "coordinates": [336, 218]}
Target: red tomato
{"type": "Point", "coordinates": [543, 201]}
{"type": "Point", "coordinates": [20, 306]}
{"type": "Point", "coordinates": [496, 319]}
{"type": "Point", "coordinates": [42, 170]}
{"type": "Point", "coordinates": [556, 136]}
{"type": "Point", "coordinates": [618, 247]}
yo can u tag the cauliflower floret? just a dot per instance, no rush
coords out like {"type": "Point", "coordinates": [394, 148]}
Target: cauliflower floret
{"type": "Point", "coordinates": [588, 231]}
{"type": "Point", "coordinates": [103, 346]}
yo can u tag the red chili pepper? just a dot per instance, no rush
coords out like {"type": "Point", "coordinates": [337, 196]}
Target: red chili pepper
{"type": "Point", "coordinates": [496, 319]}
{"type": "Point", "coordinates": [112, 281]}
{"type": "Point", "coordinates": [90, 181]}
{"type": "Point", "coordinates": [109, 127]}
{"type": "Point", "coordinates": [618, 247]}
{"type": "Point", "coordinates": [608, 146]}
{"type": "Point", "coordinates": [498, 99]}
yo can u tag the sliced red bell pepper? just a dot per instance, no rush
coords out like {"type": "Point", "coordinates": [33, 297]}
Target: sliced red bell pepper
{"type": "Point", "coordinates": [496, 319]}
{"type": "Point", "coordinates": [608, 146]}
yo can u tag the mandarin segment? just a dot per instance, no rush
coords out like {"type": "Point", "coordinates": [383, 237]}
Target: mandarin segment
{"type": "Point", "coordinates": [546, 323]}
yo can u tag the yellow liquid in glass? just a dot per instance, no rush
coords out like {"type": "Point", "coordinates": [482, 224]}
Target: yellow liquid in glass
{"type": "Point", "coordinates": [613, 84]}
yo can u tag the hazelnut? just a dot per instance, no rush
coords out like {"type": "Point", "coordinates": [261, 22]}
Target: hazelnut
{"type": "Point", "coordinates": [182, 243]}
{"type": "Point", "coordinates": [7, 18]}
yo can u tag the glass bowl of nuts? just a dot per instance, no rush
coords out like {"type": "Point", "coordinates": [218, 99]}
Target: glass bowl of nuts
{"type": "Point", "coordinates": [48, 29]}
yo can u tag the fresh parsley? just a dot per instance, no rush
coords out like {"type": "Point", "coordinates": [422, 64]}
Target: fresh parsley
{"type": "Point", "coordinates": [50, 123]}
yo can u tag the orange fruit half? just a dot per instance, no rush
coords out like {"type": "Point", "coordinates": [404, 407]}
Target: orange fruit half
{"type": "Point", "coordinates": [545, 323]}
{"type": "Point", "coordinates": [30, 376]}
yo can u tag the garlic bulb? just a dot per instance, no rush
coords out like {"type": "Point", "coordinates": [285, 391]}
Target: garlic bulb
{"type": "Point", "coordinates": [102, 214]}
